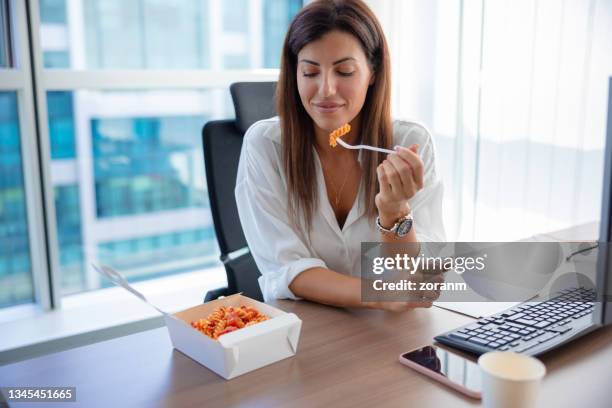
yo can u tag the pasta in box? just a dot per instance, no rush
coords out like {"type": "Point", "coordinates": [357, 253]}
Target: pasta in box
{"type": "Point", "coordinates": [260, 334]}
{"type": "Point", "coordinates": [238, 351]}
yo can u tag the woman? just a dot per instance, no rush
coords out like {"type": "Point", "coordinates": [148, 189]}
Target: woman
{"type": "Point", "coordinates": [305, 206]}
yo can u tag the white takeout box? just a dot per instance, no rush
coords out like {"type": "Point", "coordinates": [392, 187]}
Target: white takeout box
{"type": "Point", "coordinates": [234, 353]}
{"type": "Point", "coordinates": [242, 350]}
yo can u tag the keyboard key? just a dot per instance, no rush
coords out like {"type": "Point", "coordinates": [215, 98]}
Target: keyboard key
{"type": "Point", "coordinates": [479, 341]}
{"type": "Point", "coordinates": [494, 345]}
{"type": "Point", "coordinates": [527, 322]}
{"type": "Point", "coordinates": [516, 316]}
{"type": "Point", "coordinates": [538, 335]}
{"type": "Point", "coordinates": [514, 329]}
{"type": "Point", "coordinates": [458, 335]}
{"type": "Point", "coordinates": [502, 341]}
{"type": "Point", "coordinates": [542, 324]}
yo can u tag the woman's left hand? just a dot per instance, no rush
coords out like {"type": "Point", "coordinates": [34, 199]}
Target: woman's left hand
{"type": "Point", "coordinates": [400, 177]}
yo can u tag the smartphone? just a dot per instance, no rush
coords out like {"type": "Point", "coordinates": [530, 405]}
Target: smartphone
{"type": "Point", "coordinates": [450, 368]}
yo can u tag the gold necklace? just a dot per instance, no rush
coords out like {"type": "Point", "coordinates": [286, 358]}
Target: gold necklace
{"type": "Point", "coordinates": [337, 192]}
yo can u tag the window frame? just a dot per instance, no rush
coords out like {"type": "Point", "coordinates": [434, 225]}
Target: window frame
{"type": "Point", "coordinates": [19, 79]}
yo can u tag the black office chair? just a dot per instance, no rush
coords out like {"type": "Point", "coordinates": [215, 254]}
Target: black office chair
{"type": "Point", "coordinates": [222, 141]}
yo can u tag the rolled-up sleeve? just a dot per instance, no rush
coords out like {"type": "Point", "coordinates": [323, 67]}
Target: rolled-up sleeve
{"type": "Point", "coordinates": [426, 205]}
{"type": "Point", "coordinates": [261, 197]}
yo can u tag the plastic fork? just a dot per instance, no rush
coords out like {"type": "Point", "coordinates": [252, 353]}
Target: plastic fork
{"type": "Point", "coordinates": [361, 146]}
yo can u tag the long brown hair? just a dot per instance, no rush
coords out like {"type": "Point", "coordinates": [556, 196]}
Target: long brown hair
{"type": "Point", "coordinates": [297, 129]}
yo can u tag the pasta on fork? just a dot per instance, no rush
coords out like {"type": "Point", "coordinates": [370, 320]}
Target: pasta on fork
{"type": "Point", "coordinates": [341, 131]}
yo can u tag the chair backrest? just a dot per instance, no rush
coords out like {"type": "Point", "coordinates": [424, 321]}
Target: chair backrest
{"type": "Point", "coordinates": [222, 142]}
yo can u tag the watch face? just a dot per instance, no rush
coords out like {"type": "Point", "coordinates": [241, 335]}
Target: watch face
{"type": "Point", "coordinates": [404, 227]}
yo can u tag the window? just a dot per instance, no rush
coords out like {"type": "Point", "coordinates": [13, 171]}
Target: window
{"type": "Point", "coordinates": [16, 285]}
{"type": "Point", "coordinates": [68, 213]}
{"type": "Point", "coordinates": [123, 90]}
{"type": "Point", "coordinates": [5, 36]}
{"type": "Point", "coordinates": [160, 255]}
{"type": "Point", "coordinates": [61, 125]}
{"type": "Point", "coordinates": [126, 158]}
{"type": "Point", "coordinates": [164, 34]}
{"type": "Point", "coordinates": [518, 116]}
{"type": "Point", "coordinates": [138, 172]}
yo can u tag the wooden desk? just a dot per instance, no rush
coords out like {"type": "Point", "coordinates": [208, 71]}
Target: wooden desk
{"type": "Point", "coordinates": [345, 358]}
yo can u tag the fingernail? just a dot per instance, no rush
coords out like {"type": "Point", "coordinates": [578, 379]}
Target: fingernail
{"type": "Point", "coordinates": [397, 148]}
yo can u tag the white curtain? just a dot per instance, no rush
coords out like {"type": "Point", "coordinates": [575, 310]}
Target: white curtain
{"type": "Point", "coordinates": [515, 94]}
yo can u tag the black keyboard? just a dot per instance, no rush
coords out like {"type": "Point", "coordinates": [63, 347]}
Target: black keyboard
{"type": "Point", "coordinates": [530, 328]}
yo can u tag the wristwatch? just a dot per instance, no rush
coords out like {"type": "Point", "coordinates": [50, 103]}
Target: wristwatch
{"type": "Point", "coordinates": [400, 229]}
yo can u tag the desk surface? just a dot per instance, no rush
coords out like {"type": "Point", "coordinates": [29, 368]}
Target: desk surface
{"type": "Point", "coordinates": [344, 358]}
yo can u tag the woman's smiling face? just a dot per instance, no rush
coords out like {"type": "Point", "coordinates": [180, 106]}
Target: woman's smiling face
{"type": "Point", "coordinates": [333, 76]}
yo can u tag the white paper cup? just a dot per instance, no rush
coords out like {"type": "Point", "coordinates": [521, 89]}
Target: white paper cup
{"type": "Point", "coordinates": [510, 379]}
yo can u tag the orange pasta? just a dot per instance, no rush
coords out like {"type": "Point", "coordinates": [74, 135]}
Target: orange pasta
{"type": "Point", "coordinates": [226, 319]}
{"type": "Point", "coordinates": [341, 131]}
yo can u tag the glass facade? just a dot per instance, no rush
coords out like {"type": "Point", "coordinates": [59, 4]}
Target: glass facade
{"type": "Point", "coordinates": [277, 15]}
{"type": "Point", "coordinates": [156, 255]}
{"type": "Point", "coordinates": [16, 286]}
{"type": "Point", "coordinates": [138, 163]}
{"type": "Point", "coordinates": [166, 34]}
{"type": "Point", "coordinates": [133, 194]}
{"type": "Point", "coordinates": [127, 166]}
{"type": "Point", "coordinates": [68, 216]}
{"type": "Point", "coordinates": [61, 125]}
{"type": "Point", "coordinates": [54, 35]}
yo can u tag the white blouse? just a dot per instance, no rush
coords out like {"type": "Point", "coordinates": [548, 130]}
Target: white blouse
{"type": "Point", "coordinates": [280, 250]}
